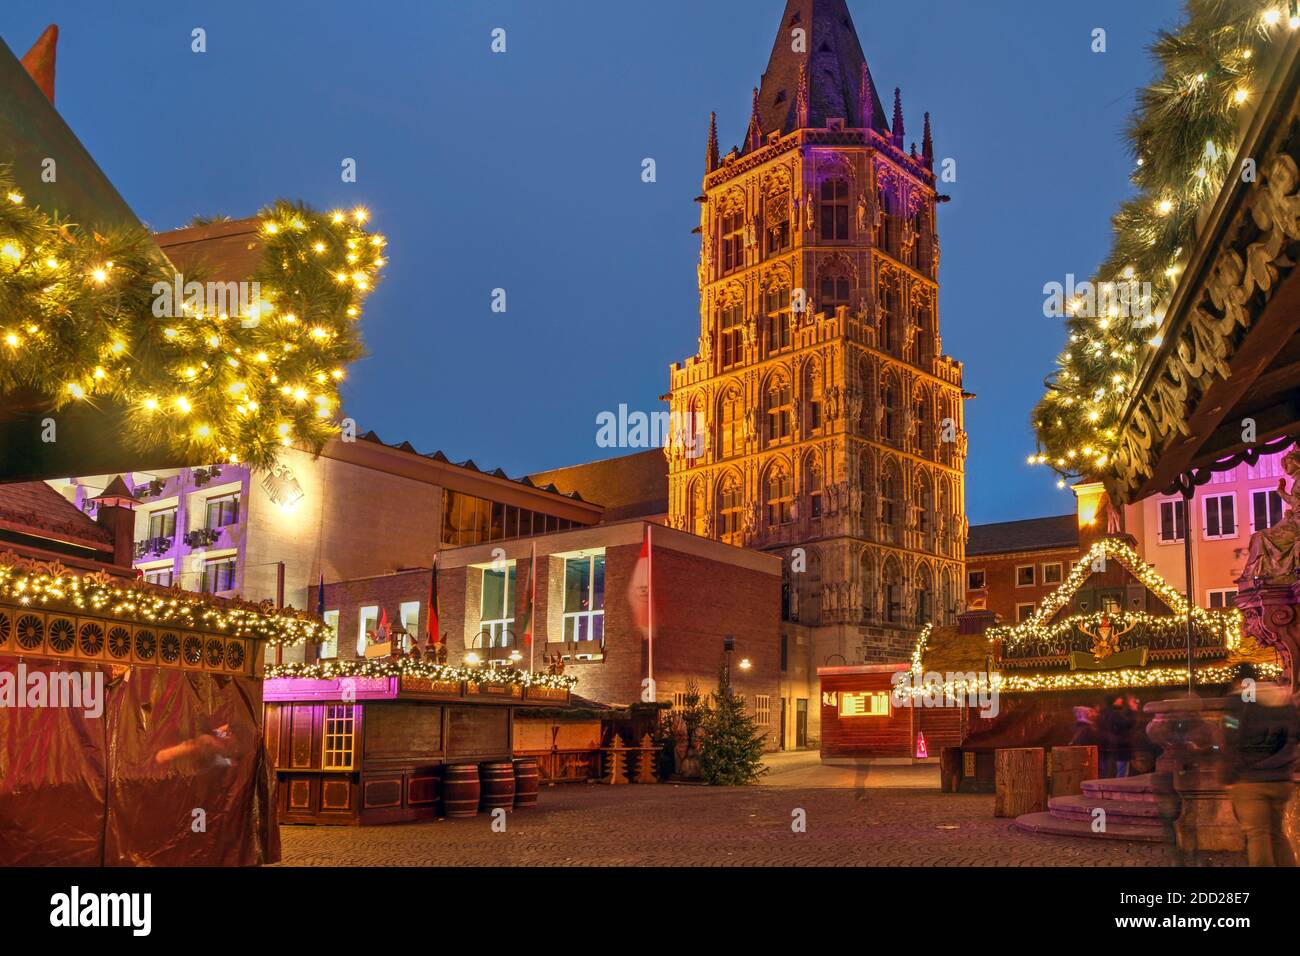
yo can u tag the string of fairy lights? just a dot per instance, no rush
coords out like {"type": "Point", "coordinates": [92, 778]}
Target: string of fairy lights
{"type": "Point", "coordinates": [1224, 624]}
{"type": "Point", "coordinates": [381, 667]}
{"type": "Point", "coordinates": [1185, 137]}
{"type": "Point", "coordinates": [85, 317]}
{"type": "Point", "coordinates": [53, 587]}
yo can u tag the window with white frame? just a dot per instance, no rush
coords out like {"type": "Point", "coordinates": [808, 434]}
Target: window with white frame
{"type": "Point", "coordinates": [159, 576]}
{"type": "Point", "coordinates": [409, 613]}
{"type": "Point", "coordinates": [497, 606]}
{"type": "Point", "coordinates": [367, 621]}
{"type": "Point", "coordinates": [1218, 598]}
{"type": "Point", "coordinates": [1025, 576]}
{"type": "Point", "coordinates": [221, 511]}
{"type": "Point", "coordinates": [1265, 509]}
{"type": "Point", "coordinates": [219, 575]}
{"type": "Point", "coordinates": [762, 709]}
{"type": "Point", "coordinates": [976, 580]}
{"type": "Point", "coordinates": [1173, 521]}
{"type": "Point", "coordinates": [584, 598]}
{"type": "Point", "coordinates": [1268, 466]}
{"type": "Point", "coordinates": [162, 523]}
{"type": "Point", "coordinates": [1220, 516]}
{"type": "Point", "coordinates": [329, 648]}
{"type": "Point", "coordinates": [1052, 572]}
{"type": "Point", "coordinates": [338, 743]}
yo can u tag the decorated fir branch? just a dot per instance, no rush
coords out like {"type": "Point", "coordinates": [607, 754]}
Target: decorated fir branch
{"type": "Point", "coordinates": [1185, 137]}
{"type": "Point", "coordinates": [420, 668]}
{"type": "Point", "coordinates": [39, 584]}
{"type": "Point", "coordinates": [90, 317]}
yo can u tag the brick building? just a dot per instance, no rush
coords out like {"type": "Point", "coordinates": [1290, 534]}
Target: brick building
{"type": "Point", "coordinates": [590, 610]}
{"type": "Point", "coordinates": [1012, 565]}
{"type": "Point", "coordinates": [829, 419]}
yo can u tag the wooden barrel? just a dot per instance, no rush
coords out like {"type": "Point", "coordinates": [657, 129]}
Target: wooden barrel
{"type": "Point", "coordinates": [498, 785]}
{"type": "Point", "coordinates": [460, 790]}
{"type": "Point", "coordinates": [526, 783]}
{"type": "Point", "coordinates": [1071, 766]}
{"type": "Point", "coordinates": [1021, 781]}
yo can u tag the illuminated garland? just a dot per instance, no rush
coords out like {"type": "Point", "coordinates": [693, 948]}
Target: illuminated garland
{"type": "Point", "coordinates": [1126, 678]}
{"type": "Point", "coordinates": [1185, 136]}
{"type": "Point", "coordinates": [418, 667]}
{"type": "Point", "coordinates": [36, 584]}
{"type": "Point", "coordinates": [78, 323]}
{"type": "Point", "coordinates": [1225, 624]}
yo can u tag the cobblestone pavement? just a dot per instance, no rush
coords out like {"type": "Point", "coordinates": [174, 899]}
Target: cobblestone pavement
{"type": "Point", "coordinates": [669, 825]}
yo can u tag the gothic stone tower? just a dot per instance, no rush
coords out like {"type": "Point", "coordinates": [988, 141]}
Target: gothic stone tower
{"type": "Point", "coordinates": [830, 422]}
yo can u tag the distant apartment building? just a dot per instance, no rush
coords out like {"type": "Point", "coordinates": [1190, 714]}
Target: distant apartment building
{"type": "Point", "coordinates": [1012, 565]}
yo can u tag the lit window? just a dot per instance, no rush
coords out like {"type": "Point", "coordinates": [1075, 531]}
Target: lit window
{"type": "Point", "coordinates": [1024, 612]}
{"type": "Point", "coordinates": [762, 710]}
{"type": "Point", "coordinates": [864, 704]}
{"type": "Point", "coordinates": [329, 648]}
{"type": "Point", "coordinates": [368, 621]}
{"type": "Point", "coordinates": [219, 575]}
{"type": "Point", "coordinates": [409, 613]}
{"type": "Point", "coordinates": [497, 607]}
{"type": "Point", "coordinates": [222, 511]}
{"type": "Point", "coordinates": [338, 741]}
{"type": "Point", "coordinates": [584, 599]}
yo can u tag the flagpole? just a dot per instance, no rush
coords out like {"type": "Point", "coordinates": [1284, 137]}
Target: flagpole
{"type": "Point", "coordinates": [532, 604]}
{"type": "Point", "coordinates": [650, 605]}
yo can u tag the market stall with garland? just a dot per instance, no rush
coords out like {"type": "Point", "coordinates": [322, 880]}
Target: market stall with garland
{"type": "Point", "coordinates": [398, 739]}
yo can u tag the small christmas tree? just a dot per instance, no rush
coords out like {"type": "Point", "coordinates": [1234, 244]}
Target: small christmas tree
{"type": "Point", "coordinates": [733, 744]}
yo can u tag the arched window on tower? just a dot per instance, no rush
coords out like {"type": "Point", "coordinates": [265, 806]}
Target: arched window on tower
{"type": "Point", "coordinates": [924, 594]}
{"type": "Point", "coordinates": [834, 286]}
{"type": "Point", "coordinates": [892, 591]}
{"type": "Point", "coordinates": [866, 586]}
{"type": "Point", "coordinates": [810, 394]}
{"type": "Point", "coordinates": [733, 238]}
{"type": "Point", "coordinates": [729, 507]}
{"type": "Point", "coordinates": [925, 511]}
{"type": "Point", "coordinates": [776, 304]}
{"type": "Point", "coordinates": [888, 419]}
{"type": "Point", "coordinates": [695, 507]}
{"type": "Point", "coordinates": [730, 414]}
{"type": "Point", "coordinates": [778, 405]}
{"type": "Point", "coordinates": [778, 494]}
{"type": "Point", "coordinates": [812, 485]}
{"type": "Point", "coordinates": [891, 504]}
{"type": "Point", "coordinates": [889, 315]}
{"type": "Point", "coordinates": [691, 433]}
{"type": "Point", "coordinates": [922, 426]}
{"type": "Point", "coordinates": [730, 344]}
{"type": "Point", "coordinates": [833, 211]}
{"type": "Point", "coordinates": [924, 337]}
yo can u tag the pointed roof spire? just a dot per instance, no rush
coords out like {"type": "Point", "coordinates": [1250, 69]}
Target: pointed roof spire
{"type": "Point", "coordinates": [39, 60]}
{"type": "Point", "coordinates": [927, 144]}
{"type": "Point", "coordinates": [817, 72]}
{"type": "Point", "coordinates": [896, 127]}
{"type": "Point", "coordinates": [712, 160]}
{"type": "Point", "coordinates": [754, 137]}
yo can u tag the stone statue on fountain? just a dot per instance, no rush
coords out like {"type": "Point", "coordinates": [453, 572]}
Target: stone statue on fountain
{"type": "Point", "coordinates": [1274, 555]}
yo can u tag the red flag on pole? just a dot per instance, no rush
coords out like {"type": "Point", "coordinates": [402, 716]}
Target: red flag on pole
{"type": "Point", "coordinates": [433, 637]}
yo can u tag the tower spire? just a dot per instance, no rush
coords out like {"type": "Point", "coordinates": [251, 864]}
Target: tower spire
{"type": "Point", "coordinates": [712, 160]}
{"type": "Point", "coordinates": [927, 144]}
{"type": "Point", "coordinates": [897, 125]}
{"type": "Point", "coordinates": [754, 137]}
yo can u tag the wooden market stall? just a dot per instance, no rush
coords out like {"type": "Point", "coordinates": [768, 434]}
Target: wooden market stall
{"type": "Point", "coordinates": [366, 743]}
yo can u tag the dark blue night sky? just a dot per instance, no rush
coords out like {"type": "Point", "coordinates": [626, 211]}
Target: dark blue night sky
{"type": "Point", "coordinates": [523, 171]}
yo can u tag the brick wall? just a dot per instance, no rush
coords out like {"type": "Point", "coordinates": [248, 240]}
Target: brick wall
{"type": "Point", "coordinates": [1001, 593]}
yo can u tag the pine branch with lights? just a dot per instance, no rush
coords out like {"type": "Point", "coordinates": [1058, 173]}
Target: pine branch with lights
{"type": "Point", "coordinates": [79, 325]}
{"type": "Point", "coordinates": [1184, 136]}
{"type": "Point", "coordinates": [382, 667]}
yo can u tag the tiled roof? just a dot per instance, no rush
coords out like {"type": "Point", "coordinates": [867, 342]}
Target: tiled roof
{"type": "Point", "coordinates": [1029, 534]}
{"type": "Point", "coordinates": [35, 507]}
{"type": "Point", "coordinates": [469, 465]}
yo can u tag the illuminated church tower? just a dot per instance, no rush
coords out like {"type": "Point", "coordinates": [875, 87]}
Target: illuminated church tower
{"type": "Point", "coordinates": [830, 421]}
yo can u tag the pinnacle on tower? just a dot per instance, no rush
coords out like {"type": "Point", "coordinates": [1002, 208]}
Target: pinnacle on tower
{"type": "Point", "coordinates": [866, 99]}
{"type": "Point", "coordinates": [927, 144]}
{"type": "Point", "coordinates": [896, 127]}
{"type": "Point", "coordinates": [39, 60]}
{"type": "Point", "coordinates": [802, 105]}
{"type": "Point", "coordinates": [754, 137]}
{"type": "Point", "coordinates": [712, 160]}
